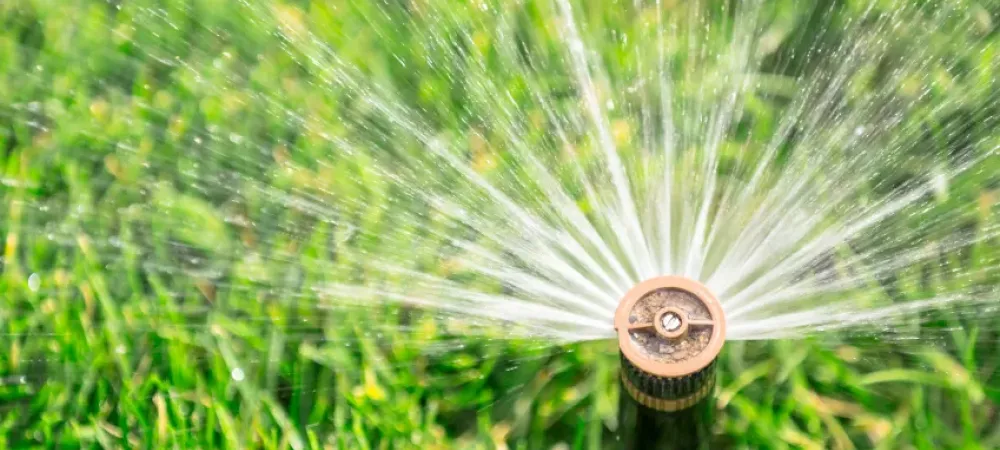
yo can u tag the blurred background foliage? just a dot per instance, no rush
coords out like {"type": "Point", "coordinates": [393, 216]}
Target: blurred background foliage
{"type": "Point", "coordinates": [156, 289]}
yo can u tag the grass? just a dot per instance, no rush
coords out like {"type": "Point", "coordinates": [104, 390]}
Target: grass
{"type": "Point", "coordinates": [154, 294]}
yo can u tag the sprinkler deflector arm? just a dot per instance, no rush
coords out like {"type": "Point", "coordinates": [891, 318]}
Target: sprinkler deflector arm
{"type": "Point", "coordinates": [670, 331]}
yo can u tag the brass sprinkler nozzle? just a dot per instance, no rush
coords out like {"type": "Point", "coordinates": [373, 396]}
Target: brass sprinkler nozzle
{"type": "Point", "coordinates": [670, 331]}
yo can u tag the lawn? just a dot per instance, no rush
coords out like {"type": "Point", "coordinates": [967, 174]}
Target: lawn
{"type": "Point", "coordinates": [178, 178]}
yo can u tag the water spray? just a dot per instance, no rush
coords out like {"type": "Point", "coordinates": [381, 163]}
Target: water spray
{"type": "Point", "coordinates": [670, 332]}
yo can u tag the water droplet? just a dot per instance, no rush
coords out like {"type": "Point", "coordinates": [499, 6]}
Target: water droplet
{"type": "Point", "coordinates": [34, 282]}
{"type": "Point", "coordinates": [237, 374]}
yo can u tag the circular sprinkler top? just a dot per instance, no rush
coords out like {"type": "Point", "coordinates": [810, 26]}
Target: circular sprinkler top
{"type": "Point", "coordinates": [670, 326]}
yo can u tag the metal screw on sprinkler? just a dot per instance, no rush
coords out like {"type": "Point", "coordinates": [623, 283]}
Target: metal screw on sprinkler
{"type": "Point", "coordinates": [670, 321]}
{"type": "Point", "coordinates": [670, 332]}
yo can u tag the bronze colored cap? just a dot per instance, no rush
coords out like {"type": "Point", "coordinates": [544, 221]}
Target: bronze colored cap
{"type": "Point", "coordinates": [670, 326]}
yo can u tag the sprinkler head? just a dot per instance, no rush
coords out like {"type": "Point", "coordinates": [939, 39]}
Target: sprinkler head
{"type": "Point", "coordinates": [670, 331]}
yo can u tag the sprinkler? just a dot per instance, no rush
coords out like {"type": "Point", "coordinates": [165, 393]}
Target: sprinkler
{"type": "Point", "coordinates": [670, 331]}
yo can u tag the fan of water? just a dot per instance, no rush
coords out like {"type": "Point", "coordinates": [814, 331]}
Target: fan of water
{"type": "Point", "coordinates": [527, 185]}
{"type": "Point", "coordinates": [573, 177]}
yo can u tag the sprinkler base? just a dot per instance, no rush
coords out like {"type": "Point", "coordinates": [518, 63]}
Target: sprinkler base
{"type": "Point", "coordinates": [641, 427]}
